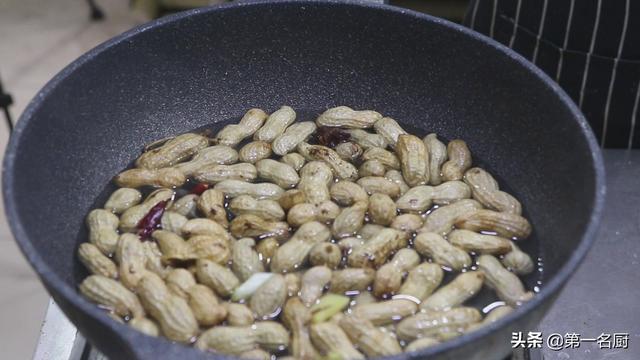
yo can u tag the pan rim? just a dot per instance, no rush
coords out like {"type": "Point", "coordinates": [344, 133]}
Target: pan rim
{"type": "Point", "coordinates": [551, 288]}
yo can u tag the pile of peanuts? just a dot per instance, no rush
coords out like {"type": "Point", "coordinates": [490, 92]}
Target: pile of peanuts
{"type": "Point", "coordinates": [377, 220]}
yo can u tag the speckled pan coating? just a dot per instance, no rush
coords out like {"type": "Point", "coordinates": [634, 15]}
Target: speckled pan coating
{"type": "Point", "coordinates": [191, 69]}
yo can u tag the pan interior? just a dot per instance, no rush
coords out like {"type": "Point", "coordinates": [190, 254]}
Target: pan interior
{"type": "Point", "coordinates": [185, 75]}
{"type": "Point", "coordinates": [483, 300]}
{"type": "Point", "coordinates": [210, 67]}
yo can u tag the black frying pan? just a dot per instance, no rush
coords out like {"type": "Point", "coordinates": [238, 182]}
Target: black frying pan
{"type": "Point", "coordinates": [206, 66]}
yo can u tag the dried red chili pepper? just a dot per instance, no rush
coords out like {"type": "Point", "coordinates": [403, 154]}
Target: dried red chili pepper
{"type": "Point", "coordinates": [330, 136]}
{"type": "Point", "coordinates": [151, 221]}
{"type": "Point", "coordinates": [198, 189]}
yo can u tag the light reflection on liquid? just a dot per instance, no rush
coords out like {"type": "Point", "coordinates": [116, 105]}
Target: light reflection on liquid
{"type": "Point", "coordinates": [493, 305]}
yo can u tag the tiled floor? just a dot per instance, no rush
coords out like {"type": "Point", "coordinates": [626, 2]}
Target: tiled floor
{"type": "Point", "coordinates": [38, 38]}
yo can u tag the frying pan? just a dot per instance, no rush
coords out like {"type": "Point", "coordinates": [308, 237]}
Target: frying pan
{"type": "Point", "coordinates": [207, 66]}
